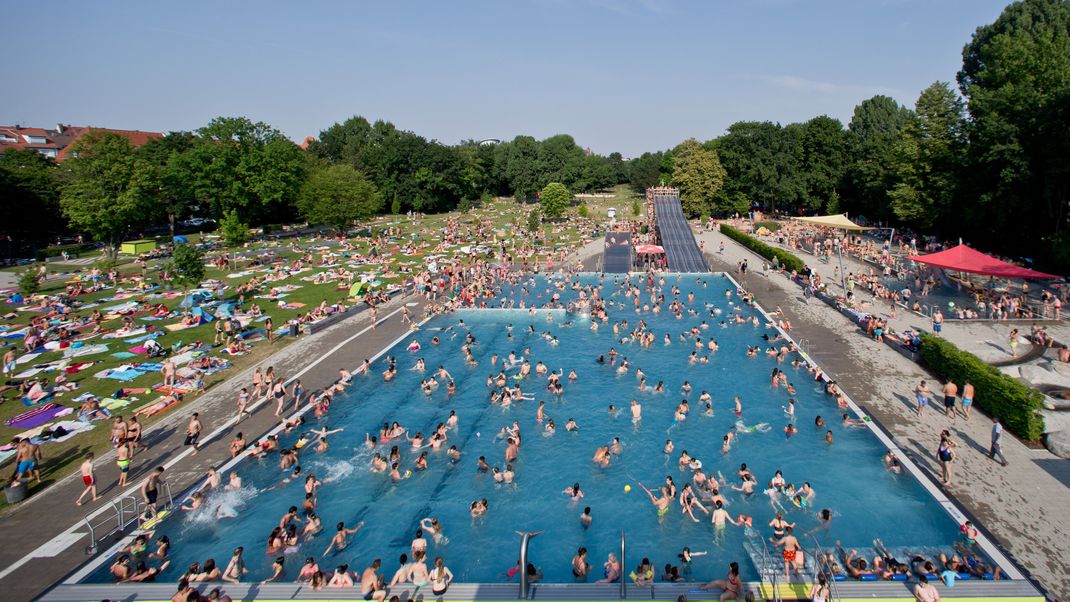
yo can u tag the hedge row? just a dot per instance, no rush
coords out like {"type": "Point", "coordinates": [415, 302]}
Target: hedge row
{"type": "Point", "coordinates": [1016, 405]}
{"type": "Point", "coordinates": [72, 249]}
{"type": "Point", "coordinates": [787, 260]}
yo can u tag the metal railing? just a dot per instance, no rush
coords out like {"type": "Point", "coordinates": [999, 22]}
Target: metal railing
{"type": "Point", "coordinates": [623, 560]}
{"type": "Point", "coordinates": [769, 574]}
{"type": "Point", "coordinates": [525, 539]}
{"type": "Point", "coordinates": [822, 567]}
{"type": "Point", "coordinates": [126, 509]}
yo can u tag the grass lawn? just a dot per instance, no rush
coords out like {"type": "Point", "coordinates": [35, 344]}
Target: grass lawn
{"type": "Point", "coordinates": [408, 248]}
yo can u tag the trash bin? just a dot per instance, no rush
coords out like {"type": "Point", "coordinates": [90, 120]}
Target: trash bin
{"type": "Point", "coordinates": [15, 492]}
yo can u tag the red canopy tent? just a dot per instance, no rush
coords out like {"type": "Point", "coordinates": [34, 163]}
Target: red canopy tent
{"type": "Point", "coordinates": [649, 250]}
{"type": "Point", "coordinates": [965, 259]}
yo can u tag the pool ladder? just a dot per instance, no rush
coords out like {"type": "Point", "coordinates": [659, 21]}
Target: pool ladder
{"type": "Point", "coordinates": [127, 511]}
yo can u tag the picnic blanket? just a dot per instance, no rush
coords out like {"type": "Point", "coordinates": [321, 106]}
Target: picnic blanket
{"type": "Point", "coordinates": [125, 355]}
{"type": "Point", "coordinates": [84, 350]}
{"type": "Point", "coordinates": [36, 416]}
{"type": "Point", "coordinates": [110, 403]}
{"type": "Point", "coordinates": [125, 333]}
{"type": "Point", "coordinates": [141, 339]}
{"type": "Point", "coordinates": [27, 358]}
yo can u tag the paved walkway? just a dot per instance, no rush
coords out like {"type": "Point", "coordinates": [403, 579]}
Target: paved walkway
{"type": "Point", "coordinates": [1025, 505]}
{"type": "Point", "coordinates": [49, 528]}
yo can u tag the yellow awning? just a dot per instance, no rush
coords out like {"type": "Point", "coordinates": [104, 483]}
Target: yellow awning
{"type": "Point", "coordinates": [832, 221]}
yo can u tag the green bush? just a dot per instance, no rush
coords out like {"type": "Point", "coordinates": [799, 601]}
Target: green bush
{"type": "Point", "coordinates": [637, 208]}
{"type": "Point", "coordinates": [72, 250]}
{"type": "Point", "coordinates": [768, 224]}
{"type": "Point", "coordinates": [787, 260]}
{"type": "Point", "coordinates": [29, 282]}
{"type": "Point", "coordinates": [235, 233]}
{"type": "Point", "coordinates": [582, 210]}
{"type": "Point", "coordinates": [1016, 405]}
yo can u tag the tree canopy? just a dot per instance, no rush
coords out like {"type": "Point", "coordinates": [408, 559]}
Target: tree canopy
{"type": "Point", "coordinates": [338, 194]}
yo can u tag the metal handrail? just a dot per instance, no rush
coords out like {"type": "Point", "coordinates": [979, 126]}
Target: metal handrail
{"type": "Point", "coordinates": [821, 566]}
{"type": "Point", "coordinates": [525, 538]}
{"type": "Point", "coordinates": [771, 574]}
{"type": "Point", "coordinates": [623, 560]}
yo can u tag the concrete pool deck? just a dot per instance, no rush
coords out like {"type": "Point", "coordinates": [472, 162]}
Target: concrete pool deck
{"type": "Point", "coordinates": [46, 536]}
{"type": "Point", "coordinates": [1024, 506]}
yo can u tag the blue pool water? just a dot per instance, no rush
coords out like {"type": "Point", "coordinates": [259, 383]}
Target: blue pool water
{"type": "Point", "coordinates": [867, 501]}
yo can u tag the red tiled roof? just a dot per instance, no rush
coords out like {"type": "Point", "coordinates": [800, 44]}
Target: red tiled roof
{"type": "Point", "coordinates": [136, 137]}
{"type": "Point", "coordinates": [308, 140]}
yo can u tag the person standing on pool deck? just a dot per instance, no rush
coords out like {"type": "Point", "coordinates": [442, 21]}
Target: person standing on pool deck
{"type": "Point", "coordinates": [87, 479]}
{"type": "Point", "coordinates": [951, 393]}
{"type": "Point", "coordinates": [921, 395]}
{"type": "Point", "coordinates": [150, 489]}
{"type": "Point", "coordinates": [967, 398]}
{"type": "Point", "coordinates": [937, 321]}
{"type": "Point", "coordinates": [193, 431]}
{"type": "Point", "coordinates": [996, 448]}
{"type": "Point", "coordinates": [946, 454]}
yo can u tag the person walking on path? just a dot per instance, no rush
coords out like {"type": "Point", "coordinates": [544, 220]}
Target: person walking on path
{"type": "Point", "coordinates": [996, 449]}
{"type": "Point", "coordinates": [921, 395]}
{"type": "Point", "coordinates": [967, 398]}
{"type": "Point", "coordinates": [193, 431]}
{"type": "Point", "coordinates": [88, 479]}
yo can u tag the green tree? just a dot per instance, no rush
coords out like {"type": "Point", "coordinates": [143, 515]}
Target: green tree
{"type": "Point", "coordinates": [534, 220]}
{"type": "Point", "coordinates": [337, 195]}
{"type": "Point", "coordinates": [239, 165]}
{"type": "Point", "coordinates": [554, 200]}
{"type": "Point", "coordinates": [169, 160]}
{"type": "Point", "coordinates": [822, 152]}
{"type": "Point", "coordinates": [187, 267]}
{"type": "Point", "coordinates": [761, 164]}
{"type": "Point", "coordinates": [29, 281]}
{"type": "Point", "coordinates": [28, 186]}
{"type": "Point", "coordinates": [645, 171]}
{"type": "Point", "coordinates": [873, 133]}
{"type": "Point", "coordinates": [698, 173]}
{"type": "Point", "coordinates": [235, 231]}
{"type": "Point", "coordinates": [110, 190]}
{"type": "Point", "coordinates": [560, 159]}
{"type": "Point", "coordinates": [928, 159]}
{"type": "Point", "coordinates": [582, 210]}
{"type": "Point", "coordinates": [1015, 76]}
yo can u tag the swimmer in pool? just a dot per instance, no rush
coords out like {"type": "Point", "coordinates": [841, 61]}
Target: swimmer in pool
{"type": "Point", "coordinates": [660, 503]}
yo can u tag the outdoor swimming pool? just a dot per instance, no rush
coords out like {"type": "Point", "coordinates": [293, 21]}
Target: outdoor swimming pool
{"type": "Point", "coordinates": [866, 500]}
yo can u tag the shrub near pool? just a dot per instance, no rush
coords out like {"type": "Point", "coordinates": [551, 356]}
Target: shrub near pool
{"type": "Point", "coordinates": [787, 260]}
{"type": "Point", "coordinates": [1017, 405]}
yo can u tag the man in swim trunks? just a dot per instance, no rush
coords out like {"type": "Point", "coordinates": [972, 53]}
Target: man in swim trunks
{"type": "Point", "coordinates": [937, 322]}
{"type": "Point", "coordinates": [921, 395]}
{"type": "Point", "coordinates": [661, 503]}
{"type": "Point", "coordinates": [370, 583]}
{"type": "Point", "coordinates": [193, 431]}
{"type": "Point", "coordinates": [122, 460]}
{"type": "Point", "coordinates": [150, 489]}
{"type": "Point", "coordinates": [951, 392]}
{"type": "Point", "coordinates": [967, 398]}
{"type": "Point", "coordinates": [87, 479]}
{"type": "Point", "coordinates": [27, 455]}
{"type": "Point", "coordinates": [793, 556]}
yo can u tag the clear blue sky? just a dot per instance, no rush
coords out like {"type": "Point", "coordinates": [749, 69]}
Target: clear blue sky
{"type": "Point", "coordinates": [618, 75]}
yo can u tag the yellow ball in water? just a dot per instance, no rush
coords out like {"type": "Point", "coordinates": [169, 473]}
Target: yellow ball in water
{"type": "Point", "coordinates": [627, 488]}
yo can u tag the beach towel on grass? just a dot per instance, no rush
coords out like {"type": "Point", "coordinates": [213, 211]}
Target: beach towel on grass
{"type": "Point", "coordinates": [125, 355]}
{"type": "Point", "coordinates": [123, 374]}
{"type": "Point", "coordinates": [27, 358]}
{"type": "Point", "coordinates": [35, 417]}
{"type": "Point", "coordinates": [180, 326]}
{"type": "Point", "coordinates": [145, 337]}
{"type": "Point", "coordinates": [110, 403]}
{"type": "Point", "coordinates": [84, 350]}
{"type": "Point", "coordinates": [123, 334]}
{"type": "Point", "coordinates": [29, 372]}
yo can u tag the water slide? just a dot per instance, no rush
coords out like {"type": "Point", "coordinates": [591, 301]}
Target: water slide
{"type": "Point", "coordinates": [681, 250]}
